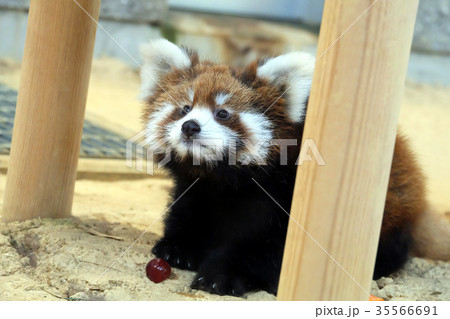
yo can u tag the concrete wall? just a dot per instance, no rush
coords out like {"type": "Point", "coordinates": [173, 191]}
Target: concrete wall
{"type": "Point", "coordinates": [138, 19]}
{"type": "Point", "coordinates": [432, 32]}
{"type": "Point", "coordinates": [129, 22]}
{"type": "Point", "coordinates": [307, 11]}
{"type": "Point", "coordinates": [228, 39]}
{"type": "Point", "coordinates": [151, 11]}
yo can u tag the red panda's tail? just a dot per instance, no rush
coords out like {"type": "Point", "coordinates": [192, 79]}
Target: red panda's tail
{"type": "Point", "coordinates": [432, 236]}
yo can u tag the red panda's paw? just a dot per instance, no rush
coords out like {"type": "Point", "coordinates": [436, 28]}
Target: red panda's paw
{"type": "Point", "coordinates": [177, 255]}
{"type": "Point", "coordinates": [221, 284]}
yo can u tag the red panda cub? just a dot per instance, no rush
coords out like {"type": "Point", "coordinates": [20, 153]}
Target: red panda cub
{"type": "Point", "coordinates": [214, 127]}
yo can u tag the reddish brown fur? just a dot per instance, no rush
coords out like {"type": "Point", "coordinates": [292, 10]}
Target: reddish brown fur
{"type": "Point", "coordinates": [247, 93]}
{"type": "Point", "coordinates": [406, 199]}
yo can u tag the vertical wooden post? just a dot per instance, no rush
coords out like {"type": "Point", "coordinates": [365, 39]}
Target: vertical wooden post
{"type": "Point", "coordinates": [352, 117]}
{"type": "Point", "coordinates": [50, 109]}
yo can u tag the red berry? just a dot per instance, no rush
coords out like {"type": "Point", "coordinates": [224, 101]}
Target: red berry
{"type": "Point", "coordinates": [158, 270]}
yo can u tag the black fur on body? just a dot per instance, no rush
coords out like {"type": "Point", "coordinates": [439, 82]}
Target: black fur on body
{"type": "Point", "coordinates": [227, 228]}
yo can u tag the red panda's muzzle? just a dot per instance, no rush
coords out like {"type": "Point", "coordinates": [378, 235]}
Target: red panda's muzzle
{"type": "Point", "coordinates": [190, 128]}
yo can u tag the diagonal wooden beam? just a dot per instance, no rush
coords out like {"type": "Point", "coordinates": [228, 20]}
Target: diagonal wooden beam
{"type": "Point", "coordinates": [352, 117]}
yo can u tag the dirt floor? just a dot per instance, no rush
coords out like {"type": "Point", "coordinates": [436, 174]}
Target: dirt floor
{"type": "Point", "coordinates": [89, 256]}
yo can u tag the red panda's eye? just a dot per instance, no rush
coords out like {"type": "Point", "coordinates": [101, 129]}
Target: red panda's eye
{"type": "Point", "coordinates": [223, 114]}
{"type": "Point", "coordinates": [186, 109]}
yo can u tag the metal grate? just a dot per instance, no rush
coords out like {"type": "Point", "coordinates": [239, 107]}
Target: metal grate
{"type": "Point", "coordinates": [96, 142]}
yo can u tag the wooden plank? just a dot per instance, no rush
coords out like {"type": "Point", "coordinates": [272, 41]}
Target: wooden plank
{"type": "Point", "coordinates": [50, 109]}
{"type": "Point", "coordinates": [352, 118]}
{"type": "Point", "coordinates": [100, 169]}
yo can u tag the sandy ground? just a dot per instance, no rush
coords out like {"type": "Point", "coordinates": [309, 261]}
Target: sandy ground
{"type": "Point", "coordinates": [89, 257]}
{"type": "Point", "coordinates": [67, 259]}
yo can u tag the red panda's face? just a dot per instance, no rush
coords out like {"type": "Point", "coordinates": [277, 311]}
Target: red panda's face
{"type": "Point", "coordinates": [205, 112]}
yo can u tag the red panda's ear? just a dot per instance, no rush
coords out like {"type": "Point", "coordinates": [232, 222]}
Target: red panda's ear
{"type": "Point", "coordinates": [291, 73]}
{"type": "Point", "coordinates": [160, 57]}
{"type": "Point", "coordinates": [248, 75]}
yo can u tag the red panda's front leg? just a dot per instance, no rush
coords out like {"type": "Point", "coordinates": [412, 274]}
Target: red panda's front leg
{"type": "Point", "coordinates": [183, 240]}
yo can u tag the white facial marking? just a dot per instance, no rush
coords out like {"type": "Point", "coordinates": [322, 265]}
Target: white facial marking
{"type": "Point", "coordinates": [221, 98]}
{"type": "Point", "coordinates": [216, 136]}
{"type": "Point", "coordinates": [155, 142]}
{"type": "Point", "coordinates": [191, 95]}
{"type": "Point", "coordinates": [260, 129]}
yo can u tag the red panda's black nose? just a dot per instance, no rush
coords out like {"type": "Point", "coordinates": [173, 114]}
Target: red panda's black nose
{"type": "Point", "coordinates": [190, 128]}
